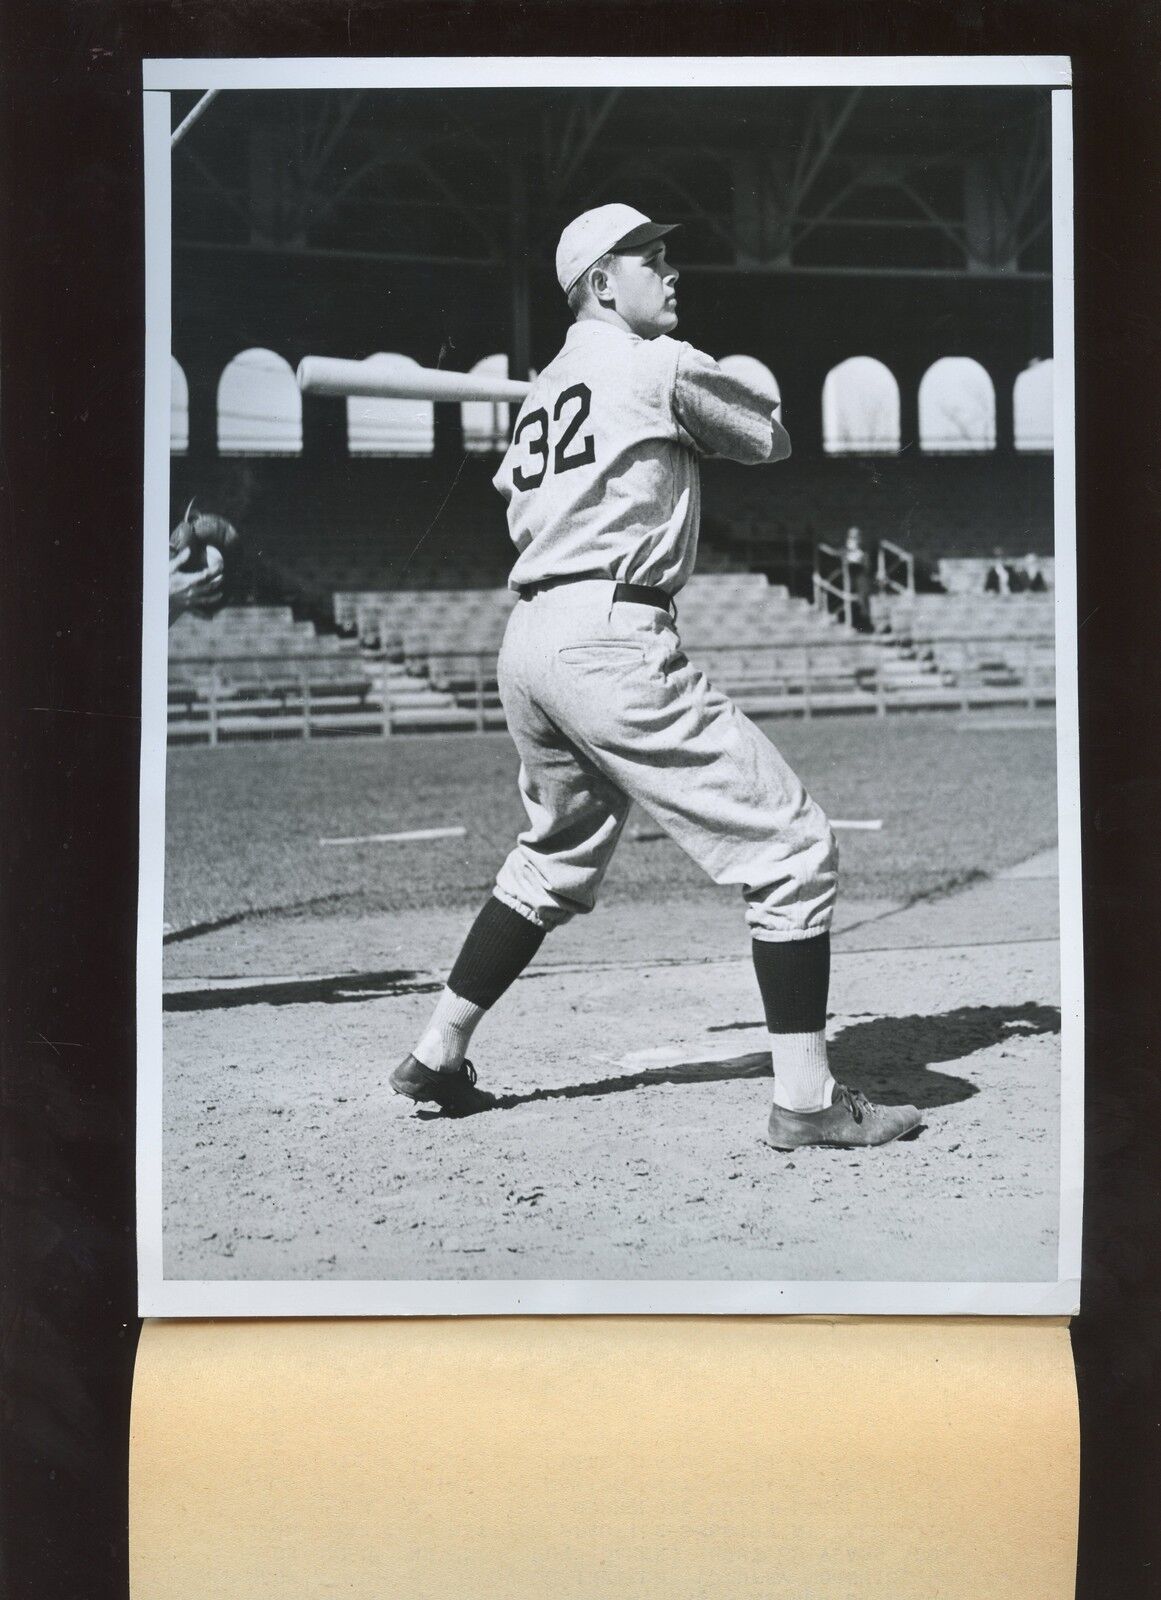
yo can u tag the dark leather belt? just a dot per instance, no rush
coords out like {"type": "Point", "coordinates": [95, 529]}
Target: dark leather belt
{"type": "Point", "coordinates": [640, 594]}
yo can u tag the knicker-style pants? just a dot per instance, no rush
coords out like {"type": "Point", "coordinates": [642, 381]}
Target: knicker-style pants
{"type": "Point", "coordinates": [605, 709]}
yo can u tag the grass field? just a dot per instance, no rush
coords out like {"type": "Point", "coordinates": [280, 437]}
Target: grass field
{"type": "Point", "coordinates": [244, 821]}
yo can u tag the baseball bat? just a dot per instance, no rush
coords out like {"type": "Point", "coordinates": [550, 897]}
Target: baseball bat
{"type": "Point", "coordinates": [381, 378]}
{"type": "Point", "coordinates": [187, 122]}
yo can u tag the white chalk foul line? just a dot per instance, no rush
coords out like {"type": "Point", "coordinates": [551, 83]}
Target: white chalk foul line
{"type": "Point", "coordinates": [872, 826]}
{"type": "Point", "coordinates": [413, 834]}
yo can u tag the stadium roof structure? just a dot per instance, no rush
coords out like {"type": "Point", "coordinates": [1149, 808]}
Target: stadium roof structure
{"type": "Point", "coordinates": [889, 182]}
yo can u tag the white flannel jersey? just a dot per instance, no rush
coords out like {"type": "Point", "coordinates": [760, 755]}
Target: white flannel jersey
{"type": "Point", "coordinates": [601, 477]}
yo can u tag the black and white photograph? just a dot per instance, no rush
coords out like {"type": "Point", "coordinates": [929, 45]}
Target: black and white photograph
{"type": "Point", "coordinates": [609, 763]}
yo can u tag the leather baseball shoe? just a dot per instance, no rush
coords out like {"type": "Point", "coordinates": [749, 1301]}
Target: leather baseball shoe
{"type": "Point", "coordinates": [848, 1122]}
{"type": "Point", "coordinates": [455, 1092]}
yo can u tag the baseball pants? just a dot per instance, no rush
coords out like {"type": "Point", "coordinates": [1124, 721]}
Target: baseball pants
{"type": "Point", "coordinates": [605, 709]}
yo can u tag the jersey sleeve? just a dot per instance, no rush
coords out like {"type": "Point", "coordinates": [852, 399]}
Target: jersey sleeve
{"type": "Point", "coordinates": [722, 414]}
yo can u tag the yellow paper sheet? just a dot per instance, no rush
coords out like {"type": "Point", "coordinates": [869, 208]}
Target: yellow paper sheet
{"type": "Point", "coordinates": [628, 1458]}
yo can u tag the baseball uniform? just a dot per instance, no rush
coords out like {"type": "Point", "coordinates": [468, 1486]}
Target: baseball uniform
{"type": "Point", "coordinates": [601, 481]}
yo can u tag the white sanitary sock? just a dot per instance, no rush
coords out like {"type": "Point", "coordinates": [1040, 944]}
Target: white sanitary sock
{"type": "Point", "coordinates": [445, 1043]}
{"type": "Point", "coordinates": [802, 1080]}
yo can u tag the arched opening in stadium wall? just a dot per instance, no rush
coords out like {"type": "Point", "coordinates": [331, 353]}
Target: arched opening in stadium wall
{"type": "Point", "coordinates": [259, 406]}
{"type": "Point", "coordinates": [957, 407]}
{"type": "Point", "coordinates": [178, 409]}
{"type": "Point", "coordinates": [390, 427]}
{"type": "Point", "coordinates": [1032, 406]}
{"type": "Point", "coordinates": [860, 408]}
{"type": "Point", "coordinates": [486, 423]}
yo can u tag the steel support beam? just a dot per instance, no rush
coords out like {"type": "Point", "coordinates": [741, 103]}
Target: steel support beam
{"type": "Point", "coordinates": [519, 288]}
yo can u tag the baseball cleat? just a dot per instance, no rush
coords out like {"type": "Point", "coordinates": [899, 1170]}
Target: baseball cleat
{"type": "Point", "coordinates": [850, 1121]}
{"type": "Point", "coordinates": [455, 1092]}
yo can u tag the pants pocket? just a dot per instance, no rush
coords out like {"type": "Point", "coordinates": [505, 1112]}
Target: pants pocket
{"type": "Point", "coordinates": [601, 653]}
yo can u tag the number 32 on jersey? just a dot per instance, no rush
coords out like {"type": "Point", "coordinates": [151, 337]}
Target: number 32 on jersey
{"type": "Point", "coordinates": [570, 412]}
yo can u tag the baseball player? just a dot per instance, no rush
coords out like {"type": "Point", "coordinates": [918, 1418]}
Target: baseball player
{"type": "Point", "coordinates": [601, 482]}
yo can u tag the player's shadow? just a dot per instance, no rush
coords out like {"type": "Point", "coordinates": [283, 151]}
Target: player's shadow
{"type": "Point", "coordinates": [345, 989]}
{"type": "Point", "coordinates": [889, 1058]}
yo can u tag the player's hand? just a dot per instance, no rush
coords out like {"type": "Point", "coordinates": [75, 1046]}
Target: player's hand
{"type": "Point", "coordinates": [189, 589]}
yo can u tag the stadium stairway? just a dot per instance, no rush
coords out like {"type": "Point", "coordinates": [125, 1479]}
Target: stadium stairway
{"type": "Point", "coordinates": [425, 660]}
{"type": "Point", "coordinates": [979, 642]}
{"type": "Point", "coordinates": [451, 638]}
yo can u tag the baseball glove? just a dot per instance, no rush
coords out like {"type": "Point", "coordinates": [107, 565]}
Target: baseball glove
{"type": "Point", "coordinates": [206, 536]}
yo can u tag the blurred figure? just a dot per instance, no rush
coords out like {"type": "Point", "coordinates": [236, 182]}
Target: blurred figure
{"type": "Point", "coordinates": [999, 578]}
{"type": "Point", "coordinates": [1032, 577]}
{"type": "Point", "coordinates": [928, 579]}
{"type": "Point", "coordinates": [859, 567]}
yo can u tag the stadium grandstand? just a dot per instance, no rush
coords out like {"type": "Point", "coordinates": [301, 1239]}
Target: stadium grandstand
{"type": "Point", "coordinates": [884, 255]}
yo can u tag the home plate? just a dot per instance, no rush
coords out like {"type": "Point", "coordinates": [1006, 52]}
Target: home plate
{"type": "Point", "coordinates": [663, 1055]}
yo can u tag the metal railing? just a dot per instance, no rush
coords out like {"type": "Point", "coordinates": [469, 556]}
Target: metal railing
{"type": "Point", "coordinates": [896, 569]}
{"type": "Point", "coordinates": [249, 695]}
{"type": "Point", "coordinates": [836, 595]}
{"type": "Point", "coordinates": [833, 595]}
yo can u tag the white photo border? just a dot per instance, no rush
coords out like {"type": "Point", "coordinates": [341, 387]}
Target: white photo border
{"type": "Point", "coordinates": [159, 1297]}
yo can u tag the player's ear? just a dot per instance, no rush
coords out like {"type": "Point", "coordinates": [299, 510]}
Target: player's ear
{"type": "Point", "coordinates": [601, 284]}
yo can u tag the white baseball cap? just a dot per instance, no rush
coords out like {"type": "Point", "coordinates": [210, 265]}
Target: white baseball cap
{"type": "Point", "coordinates": [595, 233]}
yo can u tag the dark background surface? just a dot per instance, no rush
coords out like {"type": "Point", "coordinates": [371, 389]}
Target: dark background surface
{"type": "Point", "coordinates": [71, 358]}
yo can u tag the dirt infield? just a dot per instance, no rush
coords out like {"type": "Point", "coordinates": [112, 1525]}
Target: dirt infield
{"type": "Point", "coordinates": [630, 1058]}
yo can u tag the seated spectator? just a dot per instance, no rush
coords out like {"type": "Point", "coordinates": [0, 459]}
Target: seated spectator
{"type": "Point", "coordinates": [370, 635]}
{"type": "Point", "coordinates": [1032, 577]}
{"type": "Point", "coordinates": [999, 578]}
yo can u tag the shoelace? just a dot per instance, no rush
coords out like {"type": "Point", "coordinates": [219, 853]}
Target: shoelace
{"type": "Point", "coordinates": [855, 1101]}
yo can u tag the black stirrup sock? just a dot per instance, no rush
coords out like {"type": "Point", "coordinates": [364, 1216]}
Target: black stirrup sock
{"type": "Point", "coordinates": [499, 945]}
{"type": "Point", "coordinates": [794, 977]}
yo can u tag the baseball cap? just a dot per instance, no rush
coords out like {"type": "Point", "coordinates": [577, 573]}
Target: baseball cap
{"type": "Point", "coordinates": [595, 233]}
